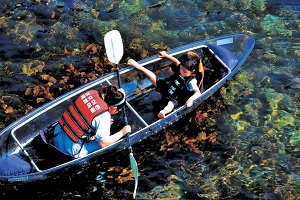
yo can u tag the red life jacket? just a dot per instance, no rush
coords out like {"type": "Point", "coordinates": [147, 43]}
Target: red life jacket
{"type": "Point", "coordinates": [76, 121]}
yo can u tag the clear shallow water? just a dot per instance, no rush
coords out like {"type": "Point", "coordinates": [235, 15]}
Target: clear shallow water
{"type": "Point", "coordinates": [242, 143]}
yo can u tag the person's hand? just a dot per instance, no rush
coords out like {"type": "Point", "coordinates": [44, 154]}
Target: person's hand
{"type": "Point", "coordinates": [189, 103]}
{"type": "Point", "coordinates": [133, 63]}
{"type": "Point", "coordinates": [163, 54]}
{"type": "Point", "coordinates": [126, 129]}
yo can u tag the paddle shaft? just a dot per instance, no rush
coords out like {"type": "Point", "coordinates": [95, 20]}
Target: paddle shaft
{"type": "Point", "coordinates": [124, 109]}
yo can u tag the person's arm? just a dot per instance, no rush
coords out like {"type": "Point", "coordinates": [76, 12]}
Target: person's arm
{"type": "Point", "coordinates": [191, 100]}
{"type": "Point", "coordinates": [115, 137]}
{"type": "Point", "coordinates": [102, 124]}
{"type": "Point", "coordinates": [174, 60]}
{"type": "Point", "coordinates": [147, 72]}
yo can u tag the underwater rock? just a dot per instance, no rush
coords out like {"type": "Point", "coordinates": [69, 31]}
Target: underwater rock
{"type": "Point", "coordinates": [145, 184]}
{"type": "Point", "coordinates": [8, 49]}
{"type": "Point", "coordinates": [295, 83]}
{"type": "Point", "coordinates": [273, 25]}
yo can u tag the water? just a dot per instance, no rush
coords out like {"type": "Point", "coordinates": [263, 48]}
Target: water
{"type": "Point", "coordinates": [242, 143]}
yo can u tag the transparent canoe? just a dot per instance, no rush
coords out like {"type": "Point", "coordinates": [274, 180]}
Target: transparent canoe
{"type": "Point", "coordinates": [222, 57]}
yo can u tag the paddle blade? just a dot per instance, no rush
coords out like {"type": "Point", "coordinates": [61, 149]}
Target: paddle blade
{"type": "Point", "coordinates": [135, 172]}
{"type": "Point", "coordinates": [113, 46]}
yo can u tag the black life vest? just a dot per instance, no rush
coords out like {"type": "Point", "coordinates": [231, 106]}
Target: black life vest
{"type": "Point", "coordinates": [178, 87]}
{"type": "Point", "coordinates": [76, 121]}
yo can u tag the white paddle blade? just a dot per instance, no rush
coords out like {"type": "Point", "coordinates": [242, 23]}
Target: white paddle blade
{"type": "Point", "coordinates": [113, 46]}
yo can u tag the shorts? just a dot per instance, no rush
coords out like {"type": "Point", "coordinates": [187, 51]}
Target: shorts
{"type": "Point", "coordinates": [162, 87]}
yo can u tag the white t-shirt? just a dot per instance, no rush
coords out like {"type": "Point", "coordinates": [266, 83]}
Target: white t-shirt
{"type": "Point", "coordinates": [192, 84]}
{"type": "Point", "coordinates": [101, 123]}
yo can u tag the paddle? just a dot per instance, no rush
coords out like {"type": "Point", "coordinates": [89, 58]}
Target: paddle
{"type": "Point", "coordinates": [114, 50]}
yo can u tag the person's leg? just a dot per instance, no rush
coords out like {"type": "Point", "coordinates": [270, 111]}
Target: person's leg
{"type": "Point", "coordinates": [147, 72]}
{"type": "Point", "coordinates": [166, 110]}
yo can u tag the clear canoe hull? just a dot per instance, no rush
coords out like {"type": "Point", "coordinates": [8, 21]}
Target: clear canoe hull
{"type": "Point", "coordinates": [223, 56]}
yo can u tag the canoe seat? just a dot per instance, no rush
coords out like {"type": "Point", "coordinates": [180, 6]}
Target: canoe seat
{"type": "Point", "coordinates": [14, 165]}
{"type": "Point", "coordinates": [49, 155]}
{"type": "Point", "coordinates": [214, 70]}
{"type": "Point", "coordinates": [43, 153]}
